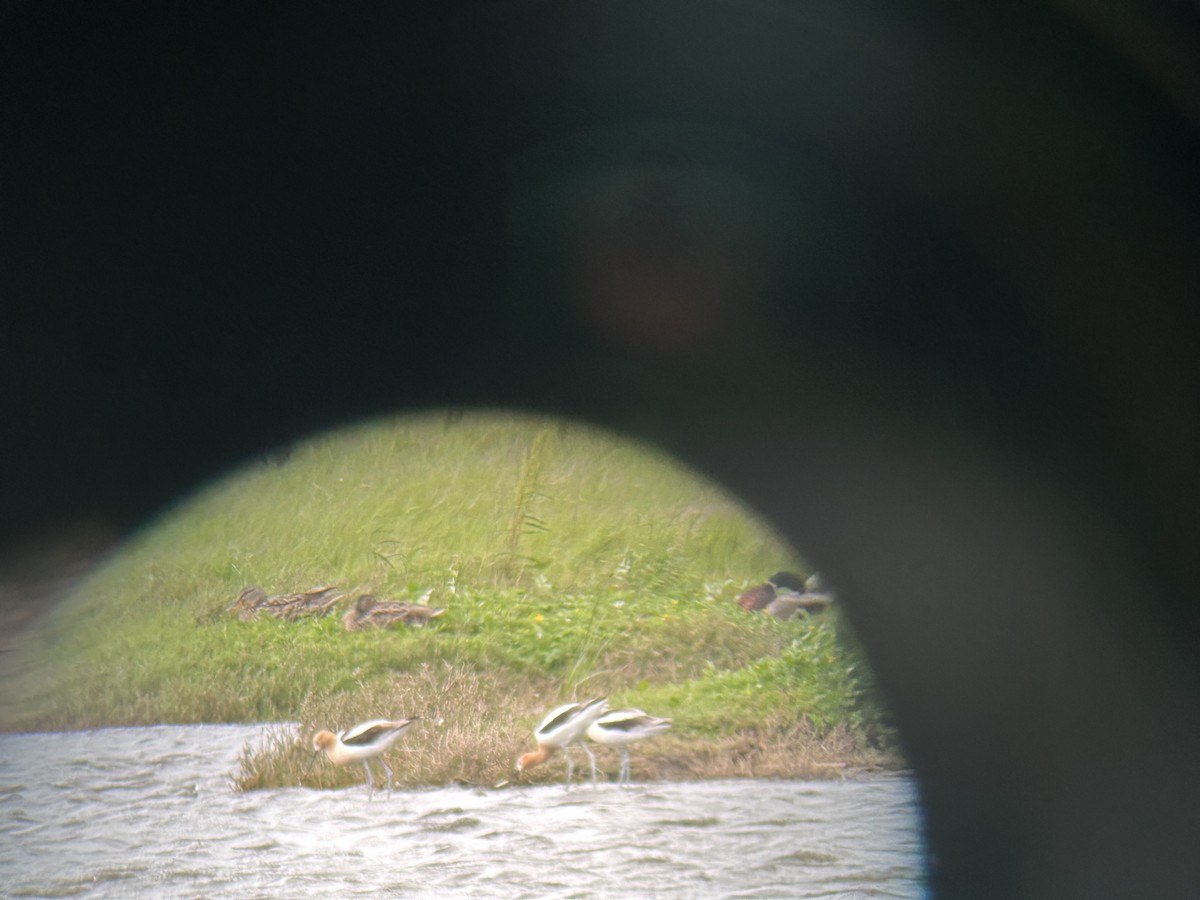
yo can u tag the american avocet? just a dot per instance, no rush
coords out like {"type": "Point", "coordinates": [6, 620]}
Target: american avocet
{"type": "Point", "coordinates": [563, 726]}
{"type": "Point", "coordinates": [371, 612]}
{"type": "Point", "coordinates": [760, 596]}
{"type": "Point", "coordinates": [363, 742]}
{"type": "Point", "coordinates": [620, 728]}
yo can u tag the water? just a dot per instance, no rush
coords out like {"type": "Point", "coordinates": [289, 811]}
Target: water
{"type": "Point", "coordinates": [136, 812]}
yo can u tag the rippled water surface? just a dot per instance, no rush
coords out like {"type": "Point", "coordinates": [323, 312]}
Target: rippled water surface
{"type": "Point", "coordinates": [150, 812]}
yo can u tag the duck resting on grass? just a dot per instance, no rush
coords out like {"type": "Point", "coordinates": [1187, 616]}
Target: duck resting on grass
{"type": "Point", "coordinates": [622, 727]}
{"type": "Point", "coordinates": [811, 597]}
{"type": "Point", "coordinates": [363, 742]}
{"type": "Point", "coordinates": [371, 612]}
{"type": "Point", "coordinates": [563, 726]}
{"type": "Point", "coordinates": [249, 600]}
{"type": "Point", "coordinates": [252, 600]}
{"type": "Point", "coordinates": [760, 596]}
{"type": "Point", "coordinates": [788, 603]}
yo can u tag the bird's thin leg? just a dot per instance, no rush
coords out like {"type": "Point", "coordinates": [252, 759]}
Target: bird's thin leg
{"type": "Point", "coordinates": [625, 765]}
{"type": "Point", "coordinates": [389, 775]}
{"type": "Point", "coordinates": [570, 764]}
{"type": "Point", "coordinates": [592, 758]}
{"type": "Point", "coordinates": [370, 780]}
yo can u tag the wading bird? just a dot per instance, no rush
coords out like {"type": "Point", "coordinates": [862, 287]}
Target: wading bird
{"type": "Point", "coordinates": [563, 726]}
{"type": "Point", "coordinates": [363, 742]}
{"type": "Point", "coordinates": [622, 727]}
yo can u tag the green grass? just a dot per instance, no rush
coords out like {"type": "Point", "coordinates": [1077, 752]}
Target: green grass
{"type": "Point", "coordinates": [570, 564]}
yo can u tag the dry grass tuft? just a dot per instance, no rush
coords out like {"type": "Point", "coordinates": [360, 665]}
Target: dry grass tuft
{"type": "Point", "coordinates": [776, 750]}
{"type": "Point", "coordinates": [490, 724]}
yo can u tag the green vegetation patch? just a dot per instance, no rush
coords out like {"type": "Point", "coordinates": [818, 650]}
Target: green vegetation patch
{"type": "Point", "coordinates": [569, 563]}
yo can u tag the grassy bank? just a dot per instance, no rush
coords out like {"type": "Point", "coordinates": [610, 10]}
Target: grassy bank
{"type": "Point", "coordinates": [570, 564]}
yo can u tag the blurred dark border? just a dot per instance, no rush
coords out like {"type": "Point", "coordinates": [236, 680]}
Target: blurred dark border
{"type": "Point", "coordinates": [968, 391]}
